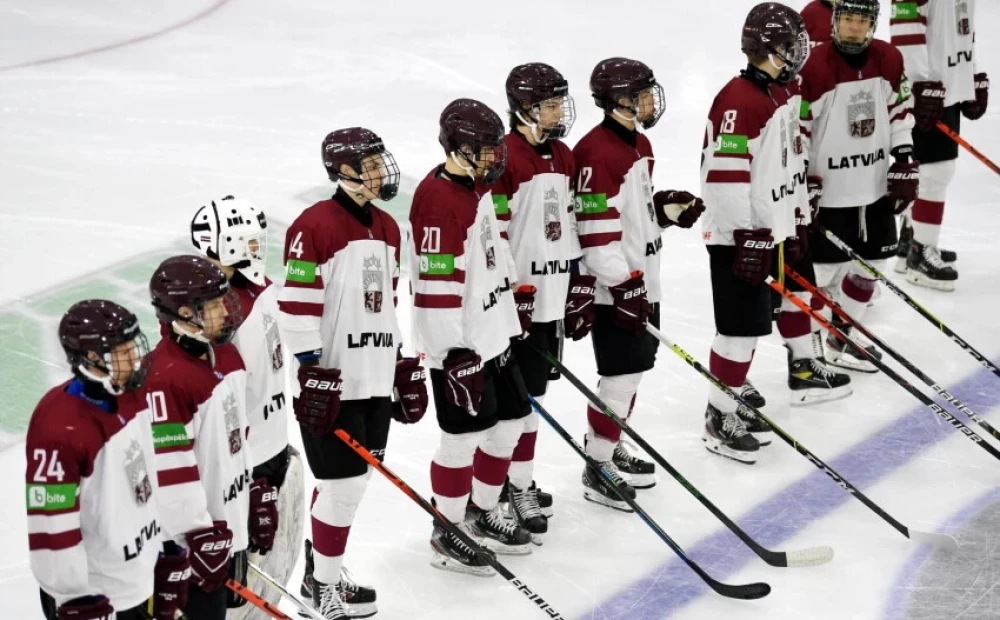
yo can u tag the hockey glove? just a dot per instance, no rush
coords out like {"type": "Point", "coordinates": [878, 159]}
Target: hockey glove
{"type": "Point", "coordinates": [815, 186]}
{"type": "Point", "coordinates": [318, 404]}
{"type": "Point", "coordinates": [263, 516]}
{"type": "Point", "coordinates": [928, 104]}
{"type": "Point", "coordinates": [170, 581]}
{"type": "Point", "coordinates": [974, 110]}
{"type": "Point", "coordinates": [524, 299]}
{"type": "Point", "coordinates": [631, 306]}
{"type": "Point", "coordinates": [754, 251]}
{"type": "Point", "coordinates": [797, 246]}
{"type": "Point", "coordinates": [580, 306]}
{"type": "Point", "coordinates": [466, 379]}
{"type": "Point", "coordinates": [411, 391]}
{"type": "Point", "coordinates": [210, 550]}
{"type": "Point", "coordinates": [904, 180]}
{"type": "Point", "coordinates": [86, 608]}
{"type": "Point", "coordinates": [677, 207]}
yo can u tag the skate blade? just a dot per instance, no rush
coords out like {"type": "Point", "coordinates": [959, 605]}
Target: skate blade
{"type": "Point", "coordinates": [642, 481]}
{"type": "Point", "coordinates": [361, 610]}
{"type": "Point", "coordinates": [501, 549]}
{"type": "Point", "coordinates": [915, 277]}
{"type": "Point", "coordinates": [548, 513]}
{"type": "Point", "coordinates": [813, 396]}
{"type": "Point", "coordinates": [597, 498]}
{"type": "Point", "coordinates": [764, 438]}
{"type": "Point", "coordinates": [446, 563]}
{"type": "Point", "coordinates": [538, 539]}
{"type": "Point", "coordinates": [715, 446]}
{"type": "Point", "coordinates": [900, 266]}
{"type": "Point", "coordinates": [849, 362]}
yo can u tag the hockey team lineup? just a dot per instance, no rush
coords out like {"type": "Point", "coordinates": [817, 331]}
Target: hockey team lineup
{"type": "Point", "coordinates": [217, 409]}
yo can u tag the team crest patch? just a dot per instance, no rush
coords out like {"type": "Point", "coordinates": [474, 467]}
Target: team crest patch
{"type": "Point", "coordinates": [372, 280]}
{"type": "Point", "coordinates": [784, 143]}
{"type": "Point", "coordinates": [861, 114]}
{"type": "Point", "coordinates": [553, 225]}
{"type": "Point", "coordinates": [232, 423]}
{"type": "Point", "coordinates": [962, 18]}
{"type": "Point", "coordinates": [273, 337]}
{"type": "Point", "coordinates": [486, 237]}
{"type": "Point", "coordinates": [137, 473]}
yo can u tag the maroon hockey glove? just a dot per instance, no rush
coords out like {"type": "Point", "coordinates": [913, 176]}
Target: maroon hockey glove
{"type": "Point", "coordinates": [210, 550]}
{"type": "Point", "coordinates": [928, 104]}
{"type": "Point", "coordinates": [631, 306]}
{"type": "Point", "coordinates": [170, 581]}
{"type": "Point", "coordinates": [904, 180]}
{"type": "Point", "coordinates": [318, 404]}
{"type": "Point", "coordinates": [815, 186]}
{"type": "Point", "coordinates": [797, 246]}
{"type": "Point", "coordinates": [580, 306]}
{"type": "Point", "coordinates": [677, 207]}
{"type": "Point", "coordinates": [411, 391]}
{"type": "Point", "coordinates": [754, 249]}
{"type": "Point", "coordinates": [466, 379]}
{"type": "Point", "coordinates": [87, 608]}
{"type": "Point", "coordinates": [974, 110]}
{"type": "Point", "coordinates": [524, 299]}
{"type": "Point", "coordinates": [263, 515]}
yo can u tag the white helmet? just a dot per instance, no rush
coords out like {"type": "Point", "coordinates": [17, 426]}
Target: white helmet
{"type": "Point", "coordinates": [233, 232]}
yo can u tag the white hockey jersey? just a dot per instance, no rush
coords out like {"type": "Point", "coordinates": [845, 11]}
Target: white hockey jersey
{"type": "Point", "coordinates": [937, 40]}
{"type": "Point", "coordinates": [533, 201]}
{"type": "Point", "coordinates": [461, 285]}
{"type": "Point", "coordinates": [200, 430]}
{"type": "Point", "coordinates": [340, 293]}
{"type": "Point", "coordinates": [614, 209]}
{"type": "Point", "coordinates": [853, 116]}
{"type": "Point", "coordinates": [752, 172]}
{"type": "Point", "coordinates": [93, 525]}
{"type": "Point", "coordinates": [259, 343]}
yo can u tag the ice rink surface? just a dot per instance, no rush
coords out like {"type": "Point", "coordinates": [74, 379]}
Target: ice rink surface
{"type": "Point", "coordinates": [118, 119]}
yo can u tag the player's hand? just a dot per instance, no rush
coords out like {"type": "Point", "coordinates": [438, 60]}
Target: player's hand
{"type": "Point", "coordinates": [797, 246]}
{"type": "Point", "coordinates": [928, 104]}
{"type": "Point", "coordinates": [466, 379]}
{"type": "Point", "coordinates": [677, 207]}
{"type": "Point", "coordinates": [411, 391]}
{"type": "Point", "coordinates": [170, 581]}
{"type": "Point", "coordinates": [263, 515]}
{"type": "Point", "coordinates": [632, 309]}
{"type": "Point", "coordinates": [87, 608]}
{"type": "Point", "coordinates": [580, 306]}
{"type": "Point", "coordinates": [524, 300]}
{"type": "Point", "coordinates": [754, 251]}
{"type": "Point", "coordinates": [974, 109]}
{"type": "Point", "coordinates": [815, 187]}
{"type": "Point", "coordinates": [903, 183]}
{"type": "Point", "coordinates": [318, 404]}
{"type": "Point", "coordinates": [210, 550]}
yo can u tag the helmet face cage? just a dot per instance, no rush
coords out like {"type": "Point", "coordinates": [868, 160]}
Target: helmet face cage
{"type": "Point", "coordinates": [794, 56]}
{"type": "Point", "coordinates": [233, 232]}
{"type": "Point", "coordinates": [488, 157]}
{"type": "Point", "coordinates": [562, 108]}
{"type": "Point", "coordinates": [864, 8]}
{"type": "Point", "coordinates": [640, 102]}
{"type": "Point", "coordinates": [218, 322]}
{"type": "Point", "coordinates": [378, 172]}
{"type": "Point", "coordinates": [122, 364]}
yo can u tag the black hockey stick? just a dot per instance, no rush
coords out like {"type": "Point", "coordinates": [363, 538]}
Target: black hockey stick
{"type": "Point", "coordinates": [443, 521]}
{"type": "Point", "coordinates": [928, 402]}
{"type": "Point", "coordinates": [889, 284]}
{"type": "Point", "coordinates": [748, 591]}
{"type": "Point", "coordinates": [940, 391]}
{"type": "Point", "coordinates": [812, 556]}
{"type": "Point", "coordinates": [938, 540]}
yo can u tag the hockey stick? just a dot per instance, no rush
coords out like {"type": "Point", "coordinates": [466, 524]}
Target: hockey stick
{"type": "Point", "coordinates": [812, 556]}
{"type": "Point", "coordinates": [255, 600]}
{"type": "Point", "coordinates": [940, 391]}
{"type": "Point", "coordinates": [938, 540]}
{"type": "Point", "coordinates": [748, 591]}
{"type": "Point", "coordinates": [968, 147]}
{"type": "Point", "coordinates": [889, 372]}
{"type": "Point", "coordinates": [443, 521]}
{"type": "Point", "coordinates": [968, 348]}
{"type": "Point", "coordinates": [307, 609]}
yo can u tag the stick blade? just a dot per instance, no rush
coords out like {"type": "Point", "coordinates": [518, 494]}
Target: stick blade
{"type": "Point", "coordinates": [941, 541]}
{"type": "Point", "coordinates": [746, 592]}
{"type": "Point", "coordinates": [813, 556]}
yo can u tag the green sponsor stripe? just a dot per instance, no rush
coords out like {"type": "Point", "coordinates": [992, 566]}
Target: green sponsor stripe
{"type": "Point", "coordinates": [170, 435]}
{"type": "Point", "coordinates": [732, 144]}
{"type": "Point", "coordinates": [500, 205]}
{"type": "Point", "coordinates": [50, 497]}
{"type": "Point", "coordinates": [904, 90]}
{"type": "Point", "coordinates": [301, 271]}
{"type": "Point", "coordinates": [437, 264]}
{"type": "Point", "coordinates": [805, 109]}
{"type": "Point", "coordinates": [592, 203]}
{"type": "Point", "coordinates": [905, 10]}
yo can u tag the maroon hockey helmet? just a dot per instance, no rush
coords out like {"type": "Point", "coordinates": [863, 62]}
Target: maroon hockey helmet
{"type": "Point", "coordinates": [773, 29]}
{"type": "Point", "coordinates": [467, 128]}
{"type": "Point", "coordinates": [615, 79]}
{"type": "Point", "coordinates": [190, 282]}
{"type": "Point", "coordinates": [534, 84]}
{"type": "Point", "coordinates": [351, 146]}
{"type": "Point", "coordinates": [864, 8]}
{"type": "Point", "coordinates": [100, 327]}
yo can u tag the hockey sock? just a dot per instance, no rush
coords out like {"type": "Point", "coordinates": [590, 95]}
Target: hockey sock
{"type": "Point", "coordinates": [522, 462]}
{"type": "Point", "coordinates": [928, 209]}
{"type": "Point", "coordinates": [603, 434]}
{"type": "Point", "coordinates": [857, 290]}
{"type": "Point", "coordinates": [451, 473]}
{"type": "Point", "coordinates": [492, 462]}
{"type": "Point", "coordinates": [729, 361]}
{"type": "Point", "coordinates": [796, 328]}
{"type": "Point", "coordinates": [332, 514]}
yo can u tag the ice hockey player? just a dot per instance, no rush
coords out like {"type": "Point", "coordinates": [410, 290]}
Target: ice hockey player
{"type": "Point", "coordinates": [338, 309]}
{"type": "Point", "coordinates": [620, 220]}
{"type": "Point", "coordinates": [534, 206]}
{"type": "Point", "coordinates": [753, 179]}
{"type": "Point", "coordinates": [857, 122]}
{"type": "Point", "coordinates": [464, 316]}
{"type": "Point", "coordinates": [818, 15]}
{"type": "Point", "coordinates": [937, 40]}
{"type": "Point", "coordinates": [197, 394]}
{"type": "Point", "coordinates": [232, 234]}
{"type": "Point", "coordinates": [93, 525]}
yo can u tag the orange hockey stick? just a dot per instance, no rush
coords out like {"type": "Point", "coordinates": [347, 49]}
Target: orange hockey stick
{"type": "Point", "coordinates": [256, 601]}
{"type": "Point", "coordinates": [961, 141]}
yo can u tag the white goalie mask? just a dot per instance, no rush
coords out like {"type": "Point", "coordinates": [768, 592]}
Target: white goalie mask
{"type": "Point", "coordinates": [233, 232]}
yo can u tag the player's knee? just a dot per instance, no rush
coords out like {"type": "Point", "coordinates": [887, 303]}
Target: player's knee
{"type": "Point", "coordinates": [734, 348]}
{"type": "Point", "coordinates": [344, 490]}
{"type": "Point", "coordinates": [502, 438]}
{"type": "Point", "coordinates": [934, 180]}
{"type": "Point", "coordinates": [458, 450]}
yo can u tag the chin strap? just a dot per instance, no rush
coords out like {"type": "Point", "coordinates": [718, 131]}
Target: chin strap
{"type": "Point", "coordinates": [194, 344]}
{"type": "Point", "coordinates": [537, 133]}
